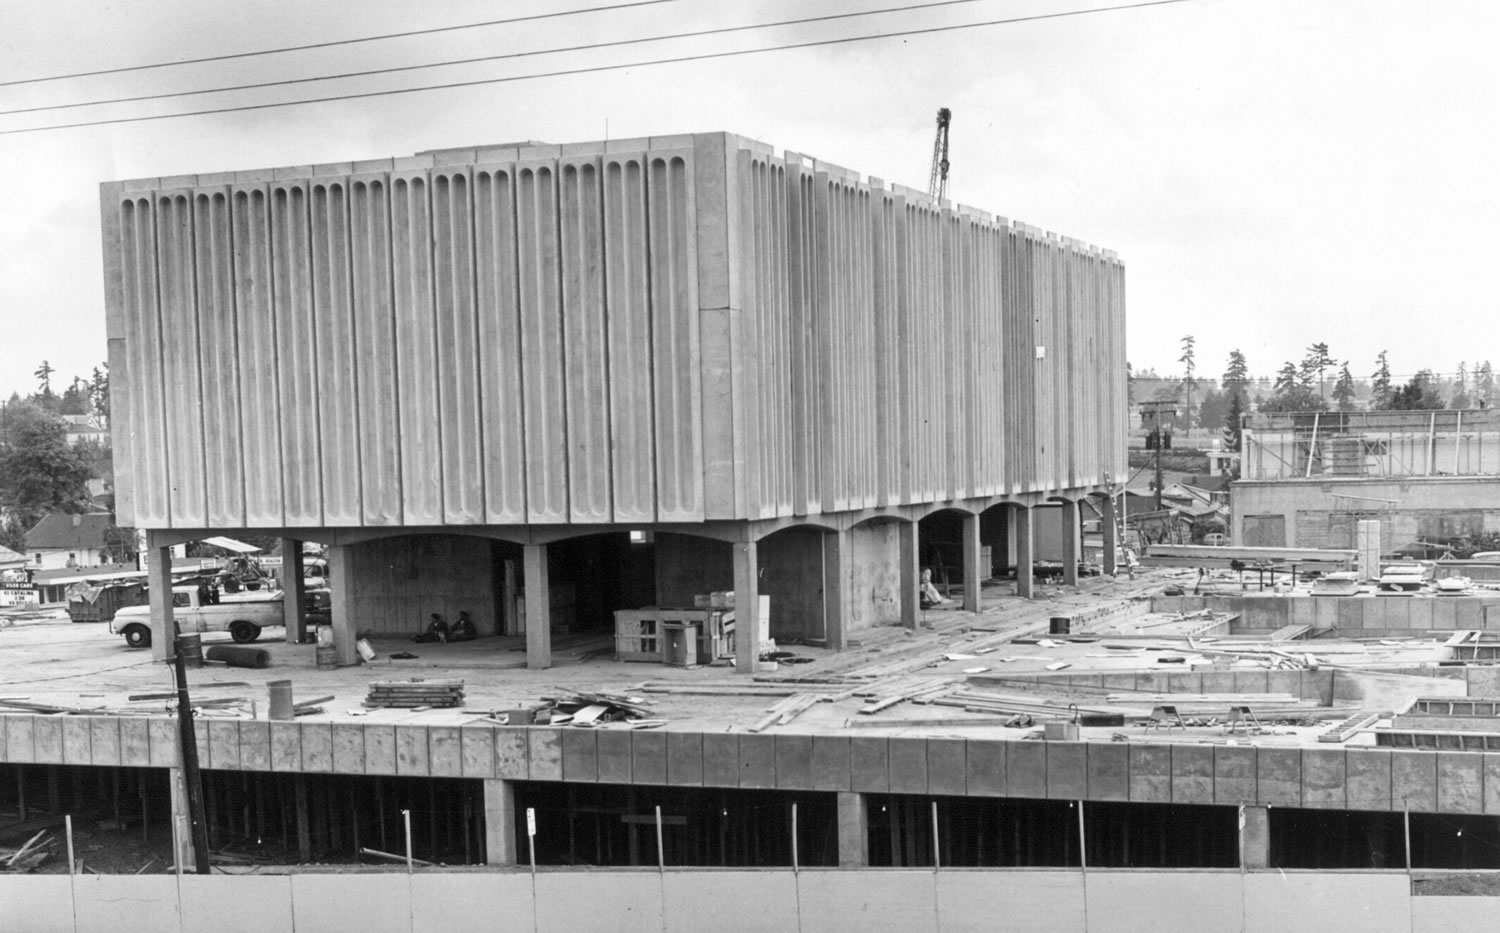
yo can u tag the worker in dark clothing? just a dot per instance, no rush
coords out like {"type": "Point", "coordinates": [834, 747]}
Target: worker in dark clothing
{"type": "Point", "coordinates": [463, 629]}
{"type": "Point", "coordinates": [437, 630]}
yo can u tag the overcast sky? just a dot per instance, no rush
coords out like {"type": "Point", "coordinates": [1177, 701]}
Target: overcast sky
{"type": "Point", "coordinates": [1274, 173]}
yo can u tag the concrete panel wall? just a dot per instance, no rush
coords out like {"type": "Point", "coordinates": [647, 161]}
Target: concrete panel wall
{"type": "Point", "coordinates": [962, 900]}
{"type": "Point", "coordinates": [1314, 902]}
{"type": "Point", "coordinates": [1325, 777]}
{"type": "Point", "coordinates": [875, 591]}
{"type": "Point", "coordinates": [691, 329]}
{"type": "Point", "coordinates": [401, 581]}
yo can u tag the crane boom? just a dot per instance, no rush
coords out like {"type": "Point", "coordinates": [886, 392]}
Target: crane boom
{"type": "Point", "coordinates": [937, 185]}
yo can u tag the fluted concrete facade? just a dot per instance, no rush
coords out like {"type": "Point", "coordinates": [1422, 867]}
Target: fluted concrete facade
{"type": "Point", "coordinates": [678, 329]}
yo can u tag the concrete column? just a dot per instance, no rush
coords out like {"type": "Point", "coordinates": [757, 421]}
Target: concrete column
{"type": "Point", "coordinates": [159, 585]}
{"type": "Point", "coordinates": [538, 607]}
{"type": "Point", "coordinates": [1111, 533]}
{"type": "Point", "coordinates": [508, 623]}
{"type": "Point", "coordinates": [182, 819]}
{"type": "Point", "coordinates": [837, 572]}
{"type": "Point", "coordinates": [293, 590]}
{"type": "Point", "coordinates": [1255, 837]}
{"type": "Point", "coordinates": [911, 575]}
{"type": "Point", "coordinates": [341, 593]}
{"type": "Point", "coordinates": [747, 628]}
{"type": "Point", "coordinates": [1025, 554]}
{"type": "Point", "coordinates": [974, 570]}
{"type": "Point", "coordinates": [1069, 518]}
{"type": "Point", "coordinates": [854, 831]}
{"type": "Point", "coordinates": [499, 822]}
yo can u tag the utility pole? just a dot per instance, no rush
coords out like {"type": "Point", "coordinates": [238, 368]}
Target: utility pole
{"type": "Point", "coordinates": [1156, 438]}
{"type": "Point", "coordinates": [188, 739]}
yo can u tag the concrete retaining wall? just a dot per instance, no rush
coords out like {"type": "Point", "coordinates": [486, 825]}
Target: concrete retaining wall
{"type": "Point", "coordinates": [725, 901]}
{"type": "Point", "coordinates": [1349, 616]}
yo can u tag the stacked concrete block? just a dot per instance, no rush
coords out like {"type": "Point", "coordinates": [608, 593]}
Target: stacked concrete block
{"type": "Point", "coordinates": [675, 329]}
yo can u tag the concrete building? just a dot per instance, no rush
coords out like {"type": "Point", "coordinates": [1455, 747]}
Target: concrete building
{"type": "Point", "coordinates": [589, 378]}
{"type": "Point", "coordinates": [1309, 478]}
{"type": "Point", "coordinates": [487, 368]}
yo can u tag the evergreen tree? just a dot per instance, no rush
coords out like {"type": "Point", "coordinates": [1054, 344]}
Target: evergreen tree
{"type": "Point", "coordinates": [1484, 385]}
{"type": "Point", "coordinates": [1316, 362]}
{"type": "Point", "coordinates": [43, 376]}
{"type": "Point", "coordinates": [98, 393]}
{"type": "Point", "coordinates": [1380, 384]}
{"type": "Point", "coordinates": [1189, 374]}
{"type": "Point", "coordinates": [1343, 390]}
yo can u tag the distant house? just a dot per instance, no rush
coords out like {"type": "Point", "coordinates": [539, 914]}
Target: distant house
{"type": "Point", "coordinates": [82, 428]}
{"type": "Point", "coordinates": [61, 541]}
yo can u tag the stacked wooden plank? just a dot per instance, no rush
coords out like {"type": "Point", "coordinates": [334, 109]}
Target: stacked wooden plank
{"type": "Point", "coordinates": [415, 694]}
{"type": "Point", "coordinates": [36, 851]}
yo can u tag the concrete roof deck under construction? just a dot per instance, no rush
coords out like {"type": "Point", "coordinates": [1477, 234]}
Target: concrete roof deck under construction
{"type": "Point", "coordinates": [952, 685]}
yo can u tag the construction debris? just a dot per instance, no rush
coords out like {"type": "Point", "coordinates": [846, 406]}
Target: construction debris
{"type": "Point", "coordinates": [37, 850]}
{"type": "Point", "coordinates": [415, 694]}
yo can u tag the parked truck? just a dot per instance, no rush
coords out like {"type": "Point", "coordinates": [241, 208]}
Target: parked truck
{"type": "Point", "coordinates": [197, 608]}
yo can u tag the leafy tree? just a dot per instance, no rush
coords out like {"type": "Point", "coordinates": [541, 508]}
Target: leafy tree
{"type": "Point", "coordinates": [74, 399]}
{"type": "Point", "coordinates": [1214, 407]}
{"type": "Point", "coordinates": [1484, 385]}
{"type": "Point", "coordinates": [39, 471]}
{"type": "Point", "coordinates": [1380, 383]}
{"type": "Point", "coordinates": [1343, 390]}
{"type": "Point", "coordinates": [1461, 397]}
{"type": "Point", "coordinates": [1420, 394]}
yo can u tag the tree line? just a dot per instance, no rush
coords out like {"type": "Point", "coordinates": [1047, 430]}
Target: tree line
{"type": "Point", "coordinates": [41, 471]}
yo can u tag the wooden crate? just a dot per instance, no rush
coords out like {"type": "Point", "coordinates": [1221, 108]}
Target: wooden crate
{"type": "Point", "coordinates": [637, 636]}
{"type": "Point", "coordinates": [638, 632]}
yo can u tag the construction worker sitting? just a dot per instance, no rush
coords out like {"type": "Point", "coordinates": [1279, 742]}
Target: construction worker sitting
{"type": "Point", "coordinates": [437, 630]}
{"type": "Point", "coordinates": [463, 629]}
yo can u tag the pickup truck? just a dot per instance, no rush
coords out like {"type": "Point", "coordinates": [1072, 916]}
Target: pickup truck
{"type": "Point", "coordinates": [198, 609]}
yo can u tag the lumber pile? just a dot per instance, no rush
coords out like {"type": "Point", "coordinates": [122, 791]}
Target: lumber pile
{"type": "Point", "coordinates": [415, 694]}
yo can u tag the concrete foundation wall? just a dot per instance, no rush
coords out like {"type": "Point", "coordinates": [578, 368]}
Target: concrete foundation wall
{"type": "Point", "coordinates": [791, 565]}
{"type": "Point", "coordinates": [687, 566]}
{"type": "Point", "coordinates": [1350, 616]}
{"type": "Point", "coordinates": [875, 590]}
{"type": "Point", "coordinates": [946, 901]}
{"type": "Point", "coordinates": [1325, 778]}
{"type": "Point", "coordinates": [1430, 507]}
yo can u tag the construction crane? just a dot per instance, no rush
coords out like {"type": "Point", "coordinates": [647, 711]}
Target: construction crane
{"type": "Point", "coordinates": [937, 186]}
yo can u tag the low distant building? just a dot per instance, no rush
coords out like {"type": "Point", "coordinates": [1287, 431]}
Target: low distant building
{"type": "Point", "coordinates": [61, 541]}
{"type": "Point", "coordinates": [1309, 478]}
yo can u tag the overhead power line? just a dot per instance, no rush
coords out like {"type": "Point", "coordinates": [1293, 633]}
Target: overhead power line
{"type": "Point", "coordinates": [590, 69]}
{"type": "Point", "coordinates": [332, 43]}
{"type": "Point", "coordinates": [395, 69]}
